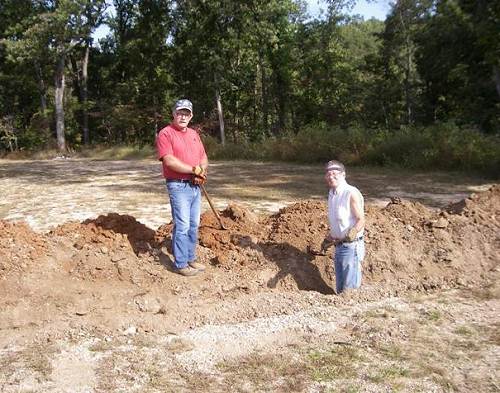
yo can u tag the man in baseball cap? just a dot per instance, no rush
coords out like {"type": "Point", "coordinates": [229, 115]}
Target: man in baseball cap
{"type": "Point", "coordinates": [184, 164]}
{"type": "Point", "coordinates": [347, 221]}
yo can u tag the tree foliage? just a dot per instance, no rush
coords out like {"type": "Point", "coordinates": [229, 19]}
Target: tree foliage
{"type": "Point", "coordinates": [264, 67]}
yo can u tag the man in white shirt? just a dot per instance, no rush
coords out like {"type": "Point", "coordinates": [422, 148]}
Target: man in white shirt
{"type": "Point", "coordinates": [347, 221]}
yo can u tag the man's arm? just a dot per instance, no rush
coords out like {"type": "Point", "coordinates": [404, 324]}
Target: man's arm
{"type": "Point", "coordinates": [357, 209]}
{"type": "Point", "coordinates": [359, 215]}
{"type": "Point", "coordinates": [204, 164]}
{"type": "Point", "coordinates": [176, 165]}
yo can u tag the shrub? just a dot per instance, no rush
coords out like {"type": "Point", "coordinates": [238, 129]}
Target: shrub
{"type": "Point", "coordinates": [440, 146]}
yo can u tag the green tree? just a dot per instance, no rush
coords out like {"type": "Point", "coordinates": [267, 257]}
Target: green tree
{"type": "Point", "coordinates": [52, 33]}
{"type": "Point", "coordinates": [239, 52]}
{"type": "Point", "coordinates": [458, 57]}
{"type": "Point", "coordinates": [91, 19]}
{"type": "Point", "coordinates": [23, 73]}
{"type": "Point", "coordinates": [136, 72]}
{"type": "Point", "coordinates": [402, 82]}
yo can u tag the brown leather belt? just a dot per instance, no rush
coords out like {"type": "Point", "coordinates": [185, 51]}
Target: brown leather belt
{"type": "Point", "coordinates": [337, 243]}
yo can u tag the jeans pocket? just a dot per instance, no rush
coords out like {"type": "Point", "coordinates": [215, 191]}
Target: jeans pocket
{"type": "Point", "coordinates": [175, 186]}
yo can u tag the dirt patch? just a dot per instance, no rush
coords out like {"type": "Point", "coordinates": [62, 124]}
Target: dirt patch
{"type": "Point", "coordinates": [410, 247]}
{"type": "Point", "coordinates": [19, 246]}
{"type": "Point", "coordinates": [105, 284]}
{"type": "Point", "coordinates": [77, 189]}
{"type": "Point", "coordinates": [106, 230]}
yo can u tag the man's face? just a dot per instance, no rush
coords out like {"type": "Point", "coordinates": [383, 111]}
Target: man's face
{"type": "Point", "coordinates": [334, 177]}
{"type": "Point", "coordinates": [182, 117]}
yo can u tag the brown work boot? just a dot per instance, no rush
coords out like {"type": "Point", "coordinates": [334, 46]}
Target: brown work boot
{"type": "Point", "coordinates": [198, 266]}
{"type": "Point", "coordinates": [187, 271]}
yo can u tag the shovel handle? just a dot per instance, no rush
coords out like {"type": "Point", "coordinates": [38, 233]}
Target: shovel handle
{"type": "Point", "coordinates": [212, 206]}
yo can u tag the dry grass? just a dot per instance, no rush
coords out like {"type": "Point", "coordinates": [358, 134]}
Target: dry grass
{"type": "Point", "coordinates": [102, 346]}
{"type": "Point", "coordinates": [267, 372]}
{"type": "Point", "coordinates": [117, 152]}
{"type": "Point", "coordinates": [415, 347]}
{"type": "Point", "coordinates": [34, 360]}
{"type": "Point", "coordinates": [339, 362]}
{"type": "Point", "coordinates": [178, 345]}
{"type": "Point", "coordinates": [427, 346]}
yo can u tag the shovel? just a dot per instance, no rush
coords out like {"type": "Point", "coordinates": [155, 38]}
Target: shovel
{"type": "Point", "coordinates": [212, 206]}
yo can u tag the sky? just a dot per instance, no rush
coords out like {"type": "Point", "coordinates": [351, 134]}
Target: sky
{"type": "Point", "coordinates": [368, 9]}
{"type": "Point", "coordinates": [377, 9]}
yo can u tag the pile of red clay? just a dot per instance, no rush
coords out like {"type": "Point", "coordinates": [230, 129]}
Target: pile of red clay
{"type": "Point", "coordinates": [19, 246]}
{"type": "Point", "coordinates": [409, 246]}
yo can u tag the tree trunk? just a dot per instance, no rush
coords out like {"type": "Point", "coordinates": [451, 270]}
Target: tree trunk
{"type": "Point", "coordinates": [282, 104]}
{"type": "Point", "coordinates": [59, 84]}
{"type": "Point", "coordinates": [238, 118]}
{"type": "Point", "coordinates": [41, 88]}
{"type": "Point", "coordinates": [408, 82]}
{"type": "Point", "coordinates": [156, 116]}
{"type": "Point", "coordinates": [44, 126]}
{"type": "Point", "coordinates": [408, 70]}
{"type": "Point", "coordinates": [84, 93]}
{"type": "Point", "coordinates": [81, 82]}
{"type": "Point", "coordinates": [255, 96]}
{"type": "Point", "coordinates": [221, 116]}
{"type": "Point", "coordinates": [265, 113]}
{"type": "Point", "coordinates": [496, 76]}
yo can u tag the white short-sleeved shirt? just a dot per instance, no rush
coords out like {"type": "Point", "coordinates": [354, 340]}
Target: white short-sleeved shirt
{"type": "Point", "coordinates": [340, 215]}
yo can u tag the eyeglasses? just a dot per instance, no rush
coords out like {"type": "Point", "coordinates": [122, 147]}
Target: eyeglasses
{"type": "Point", "coordinates": [334, 172]}
{"type": "Point", "coordinates": [183, 114]}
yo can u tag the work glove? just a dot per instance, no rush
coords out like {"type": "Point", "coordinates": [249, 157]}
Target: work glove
{"type": "Point", "coordinates": [198, 180]}
{"type": "Point", "coordinates": [199, 171]}
{"type": "Point", "coordinates": [351, 235]}
{"type": "Point", "coordinates": [199, 175]}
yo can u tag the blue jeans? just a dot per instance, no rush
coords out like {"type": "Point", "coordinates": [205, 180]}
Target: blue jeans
{"type": "Point", "coordinates": [348, 257]}
{"type": "Point", "coordinates": [185, 203]}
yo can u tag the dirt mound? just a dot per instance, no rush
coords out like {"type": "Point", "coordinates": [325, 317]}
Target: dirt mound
{"type": "Point", "coordinates": [418, 248]}
{"type": "Point", "coordinates": [407, 212]}
{"type": "Point", "coordinates": [114, 273]}
{"type": "Point", "coordinates": [408, 245]}
{"type": "Point", "coordinates": [19, 246]}
{"type": "Point", "coordinates": [300, 225]}
{"type": "Point", "coordinates": [111, 230]}
{"type": "Point", "coordinates": [480, 204]}
{"type": "Point", "coordinates": [112, 246]}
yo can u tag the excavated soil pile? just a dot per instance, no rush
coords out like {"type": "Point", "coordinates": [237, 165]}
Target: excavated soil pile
{"type": "Point", "coordinates": [408, 246]}
{"type": "Point", "coordinates": [110, 246]}
{"type": "Point", "coordinates": [19, 246]}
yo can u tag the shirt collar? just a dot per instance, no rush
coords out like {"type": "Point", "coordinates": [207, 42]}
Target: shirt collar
{"type": "Point", "coordinates": [177, 128]}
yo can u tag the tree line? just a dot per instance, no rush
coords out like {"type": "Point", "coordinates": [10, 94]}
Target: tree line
{"type": "Point", "coordinates": [254, 69]}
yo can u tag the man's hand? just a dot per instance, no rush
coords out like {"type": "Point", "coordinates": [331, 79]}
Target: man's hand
{"type": "Point", "coordinates": [199, 175]}
{"type": "Point", "coordinates": [199, 171]}
{"type": "Point", "coordinates": [326, 244]}
{"type": "Point", "coordinates": [197, 180]}
{"type": "Point", "coordinates": [351, 235]}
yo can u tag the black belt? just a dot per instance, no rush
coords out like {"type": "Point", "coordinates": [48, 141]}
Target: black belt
{"type": "Point", "coordinates": [355, 240]}
{"type": "Point", "coordinates": [178, 181]}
